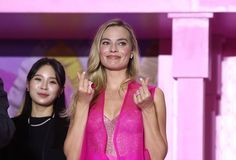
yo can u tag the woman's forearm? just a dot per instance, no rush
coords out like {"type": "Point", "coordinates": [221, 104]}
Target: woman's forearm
{"type": "Point", "coordinates": [75, 135]}
{"type": "Point", "coordinates": [154, 141]}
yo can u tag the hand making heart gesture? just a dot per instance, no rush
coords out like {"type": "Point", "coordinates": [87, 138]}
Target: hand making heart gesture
{"type": "Point", "coordinates": [85, 89]}
{"type": "Point", "coordinates": [142, 97]}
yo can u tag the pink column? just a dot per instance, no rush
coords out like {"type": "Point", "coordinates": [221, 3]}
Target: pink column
{"type": "Point", "coordinates": [190, 51]}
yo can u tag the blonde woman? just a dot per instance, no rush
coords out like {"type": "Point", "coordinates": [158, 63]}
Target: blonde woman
{"type": "Point", "coordinates": [114, 117]}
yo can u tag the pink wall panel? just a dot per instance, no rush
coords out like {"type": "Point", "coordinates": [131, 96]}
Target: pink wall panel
{"type": "Point", "coordinates": [190, 119]}
{"type": "Point", "coordinates": [167, 83]}
{"type": "Point", "coordinates": [190, 45]}
{"type": "Point", "coordinates": [113, 6]}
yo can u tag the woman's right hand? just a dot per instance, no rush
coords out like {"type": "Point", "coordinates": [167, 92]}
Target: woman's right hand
{"type": "Point", "coordinates": [85, 90]}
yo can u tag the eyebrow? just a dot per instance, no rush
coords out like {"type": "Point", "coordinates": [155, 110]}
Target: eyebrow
{"type": "Point", "coordinates": [120, 39]}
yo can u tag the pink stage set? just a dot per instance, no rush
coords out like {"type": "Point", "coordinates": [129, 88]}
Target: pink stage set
{"type": "Point", "coordinates": [188, 48]}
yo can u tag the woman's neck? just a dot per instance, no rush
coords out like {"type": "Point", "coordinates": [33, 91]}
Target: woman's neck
{"type": "Point", "coordinates": [41, 111]}
{"type": "Point", "coordinates": [115, 79]}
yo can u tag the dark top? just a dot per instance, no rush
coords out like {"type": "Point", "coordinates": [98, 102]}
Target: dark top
{"type": "Point", "coordinates": [7, 127]}
{"type": "Point", "coordinates": [42, 142]}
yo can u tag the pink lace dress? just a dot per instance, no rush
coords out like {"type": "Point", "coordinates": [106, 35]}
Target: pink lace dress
{"type": "Point", "coordinates": [110, 127]}
{"type": "Point", "coordinates": [121, 139]}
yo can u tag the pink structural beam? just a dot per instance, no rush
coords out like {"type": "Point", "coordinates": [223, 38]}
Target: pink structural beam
{"type": "Point", "coordinates": [116, 6]}
{"type": "Point", "coordinates": [190, 51]}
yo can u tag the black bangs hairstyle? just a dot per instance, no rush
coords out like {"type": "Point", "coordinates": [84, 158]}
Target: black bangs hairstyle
{"type": "Point", "coordinates": [59, 105]}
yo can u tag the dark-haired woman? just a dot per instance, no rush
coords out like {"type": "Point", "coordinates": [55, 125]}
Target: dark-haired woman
{"type": "Point", "coordinates": [42, 125]}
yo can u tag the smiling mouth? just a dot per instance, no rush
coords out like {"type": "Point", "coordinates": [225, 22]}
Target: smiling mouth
{"type": "Point", "coordinates": [113, 57]}
{"type": "Point", "coordinates": [43, 95]}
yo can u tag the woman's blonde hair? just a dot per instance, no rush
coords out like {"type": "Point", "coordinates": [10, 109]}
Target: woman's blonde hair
{"type": "Point", "coordinates": [96, 71]}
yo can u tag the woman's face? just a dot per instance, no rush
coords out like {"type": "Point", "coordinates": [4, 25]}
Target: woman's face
{"type": "Point", "coordinates": [43, 87]}
{"type": "Point", "coordinates": [115, 48]}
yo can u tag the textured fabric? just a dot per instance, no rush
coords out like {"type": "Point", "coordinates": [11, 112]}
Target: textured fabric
{"type": "Point", "coordinates": [128, 133]}
{"type": "Point", "coordinates": [111, 157]}
{"type": "Point", "coordinates": [110, 128]}
{"type": "Point", "coordinates": [7, 127]}
{"type": "Point", "coordinates": [3, 96]}
{"type": "Point", "coordinates": [51, 136]}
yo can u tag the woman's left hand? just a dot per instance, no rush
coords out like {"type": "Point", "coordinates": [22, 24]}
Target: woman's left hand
{"type": "Point", "coordinates": [142, 97]}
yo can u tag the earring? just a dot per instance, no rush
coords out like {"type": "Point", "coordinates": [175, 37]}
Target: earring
{"type": "Point", "coordinates": [131, 56]}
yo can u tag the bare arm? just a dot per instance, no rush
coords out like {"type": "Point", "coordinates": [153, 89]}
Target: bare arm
{"type": "Point", "coordinates": [154, 120]}
{"type": "Point", "coordinates": [75, 135]}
